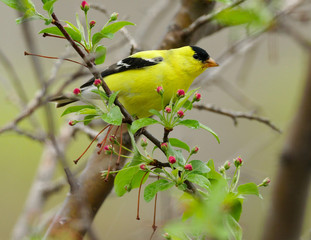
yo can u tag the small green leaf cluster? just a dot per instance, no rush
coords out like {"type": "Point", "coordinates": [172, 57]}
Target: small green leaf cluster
{"type": "Point", "coordinates": [85, 38]}
{"type": "Point", "coordinates": [108, 111]}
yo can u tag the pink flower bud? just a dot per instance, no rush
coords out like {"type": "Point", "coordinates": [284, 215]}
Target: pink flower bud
{"type": "Point", "coordinates": [164, 146]}
{"type": "Point", "coordinates": [97, 82]}
{"type": "Point", "coordinates": [72, 122]}
{"type": "Point", "coordinates": [76, 91]}
{"type": "Point", "coordinates": [238, 162]}
{"type": "Point", "coordinates": [108, 149]}
{"type": "Point", "coordinates": [160, 90]}
{"type": "Point", "coordinates": [168, 109]}
{"type": "Point", "coordinates": [172, 159]}
{"type": "Point", "coordinates": [114, 16]}
{"type": "Point", "coordinates": [197, 97]}
{"type": "Point", "coordinates": [180, 114]}
{"type": "Point", "coordinates": [143, 167]}
{"type": "Point", "coordinates": [227, 165]}
{"type": "Point", "coordinates": [265, 182]}
{"type": "Point", "coordinates": [85, 6]}
{"type": "Point", "coordinates": [143, 142]}
{"type": "Point", "coordinates": [195, 150]}
{"type": "Point", "coordinates": [188, 167]}
{"type": "Point", "coordinates": [113, 139]}
{"type": "Point", "coordinates": [180, 93]}
{"type": "Point", "coordinates": [92, 24]}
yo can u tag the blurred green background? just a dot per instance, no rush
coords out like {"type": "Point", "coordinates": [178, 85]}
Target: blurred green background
{"type": "Point", "coordinates": [274, 81]}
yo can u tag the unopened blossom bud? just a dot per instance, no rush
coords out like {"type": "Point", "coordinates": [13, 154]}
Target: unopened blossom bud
{"type": "Point", "coordinates": [143, 142]}
{"type": "Point", "coordinates": [114, 16]}
{"type": "Point", "coordinates": [180, 114]}
{"type": "Point", "coordinates": [113, 139]}
{"type": "Point", "coordinates": [197, 97]}
{"type": "Point", "coordinates": [97, 82]}
{"type": "Point", "coordinates": [168, 109]}
{"type": "Point", "coordinates": [222, 170]}
{"type": "Point", "coordinates": [76, 91]}
{"type": "Point", "coordinates": [227, 165]}
{"type": "Point", "coordinates": [164, 146]}
{"type": "Point", "coordinates": [172, 159]}
{"type": "Point", "coordinates": [85, 6]}
{"type": "Point", "coordinates": [195, 150]}
{"type": "Point", "coordinates": [188, 167]}
{"type": "Point", "coordinates": [142, 167]}
{"type": "Point", "coordinates": [92, 24]}
{"type": "Point", "coordinates": [180, 93]}
{"type": "Point", "coordinates": [265, 182]}
{"type": "Point", "coordinates": [72, 122]}
{"type": "Point", "coordinates": [167, 236]}
{"type": "Point", "coordinates": [108, 149]}
{"type": "Point", "coordinates": [160, 90]}
{"type": "Point", "coordinates": [238, 162]}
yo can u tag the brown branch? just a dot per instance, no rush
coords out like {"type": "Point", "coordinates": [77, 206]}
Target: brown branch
{"type": "Point", "coordinates": [235, 115]}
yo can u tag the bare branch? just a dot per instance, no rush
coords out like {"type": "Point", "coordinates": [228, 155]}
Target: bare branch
{"type": "Point", "coordinates": [235, 115]}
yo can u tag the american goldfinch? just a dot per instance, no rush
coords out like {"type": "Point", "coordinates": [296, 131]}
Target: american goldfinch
{"type": "Point", "coordinates": [138, 76]}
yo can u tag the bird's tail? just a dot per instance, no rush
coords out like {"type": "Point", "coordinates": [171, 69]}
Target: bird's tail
{"type": "Point", "coordinates": [62, 100]}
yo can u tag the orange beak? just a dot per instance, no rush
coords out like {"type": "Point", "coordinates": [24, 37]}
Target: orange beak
{"type": "Point", "coordinates": [210, 63]}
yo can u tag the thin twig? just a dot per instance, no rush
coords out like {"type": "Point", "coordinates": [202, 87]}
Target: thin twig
{"type": "Point", "coordinates": [235, 115]}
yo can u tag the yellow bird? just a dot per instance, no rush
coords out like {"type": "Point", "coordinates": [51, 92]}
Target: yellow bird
{"type": "Point", "coordinates": [137, 77]}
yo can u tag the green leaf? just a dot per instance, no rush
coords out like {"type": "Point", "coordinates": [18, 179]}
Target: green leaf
{"type": "Point", "coordinates": [102, 94]}
{"type": "Point", "coordinates": [180, 144]}
{"type": "Point", "coordinates": [199, 167]}
{"type": "Point", "coordinates": [178, 155]}
{"type": "Point", "coordinates": [87, 119]}
{"type": "Point", "coordinates": [114, 116]}
{"type": "Point", "coordinates": [234, 228]}
{"type": "Point", "coordinates": [112, 98]}
{"type": "Point", "coordinates": [100, 55]}
{"type": "Point", "coordinates": [108, 31]}
{"type": "Point", "coordinates": [194, 124]}
{"type": "Point", "coordinates": [211, 131]}
{"type": "Point", "coordinates": [188, 105]}
{"type": "Point", "coordinates": [123, 180]}
{"type": "Point", "coordinates": [236, 16]}
{"type": "Point", "coordinates": [152, 189]}
{"type": "Point", "coordinates": [249, 189]}
{"type": "Point", "coordinates": [212, 174]}
{"type": "Point", "coordinates": [142, 122]}
{"type": "Point", "coordinates": [157, 113]}
{"type": "Point", "coordinates": [80, 27]}
{"type": "Point", "coordinates": [48, 6]}
{"type": "Point", "coordinates": [88, 111]}
{"type": "Point", "coordinates": [76, 36]}
{"type": "Point", "coordinates": [76, 109]}
{"type": "Point", "coordinates": [199, 180]}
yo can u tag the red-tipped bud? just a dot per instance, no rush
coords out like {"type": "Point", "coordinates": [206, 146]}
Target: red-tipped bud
{"type": "Point", "coordinates": [143, 167]}
{"type": "Point", "coordinates": [72, 122]}
{"type": "Point", "coordinates": [265, 182]}
{"type": "Point", "coordinates": [92, 24]}
{"type": "Point", "coordinates": [76, 91]}
{"type": "Point", "coordinates": [180, 114]}
{"type": "Point", "coordinates": [108, 149]}
{"type": "Point", "coordinates": [238, 162]}
{"type": "Point", "coordinates": [180, 93]}
{"type": "Point", "coordinates": [113, 139]}
{"type": "Point", "coordinates": [143, 142]}
{"type": "Point", "coordinates": [164, 146]}
{"type": "Point", "coordinates": [188, 167]}
{"type": "Point", "coordinates": [160, 90]}
{"type": "Point", "coordinates": [227, 165]}
{"type": "Point", "coordinates": [97, 82]}
{"type": "Point", "coordinates": [195, 150]}
{"type": "Point", "coordinates": [168, 109]}
{"type": "Point", "coordinates": [172, 159]}
{"type": "Point", "coordinates": [114, 16]}
{"type": "Point", "coordinates": [197, 97]}
{"type": "Point", "coordinates": [85, 6]}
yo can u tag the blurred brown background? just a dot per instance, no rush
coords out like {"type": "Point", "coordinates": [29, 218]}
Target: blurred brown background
{"type": "Point", "coordinates": [270, 77]}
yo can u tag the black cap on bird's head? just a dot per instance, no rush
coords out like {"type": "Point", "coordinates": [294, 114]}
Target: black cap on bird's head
{"type": "Point", "coordinates": [203, 56]}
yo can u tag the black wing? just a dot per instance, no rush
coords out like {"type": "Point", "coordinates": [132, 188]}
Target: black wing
{"type": "Point", "coordinates": [129, 63]}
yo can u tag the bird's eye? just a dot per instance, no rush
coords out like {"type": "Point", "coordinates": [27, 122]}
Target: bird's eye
{"type": "Point", "coordinates": [196, 56]}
